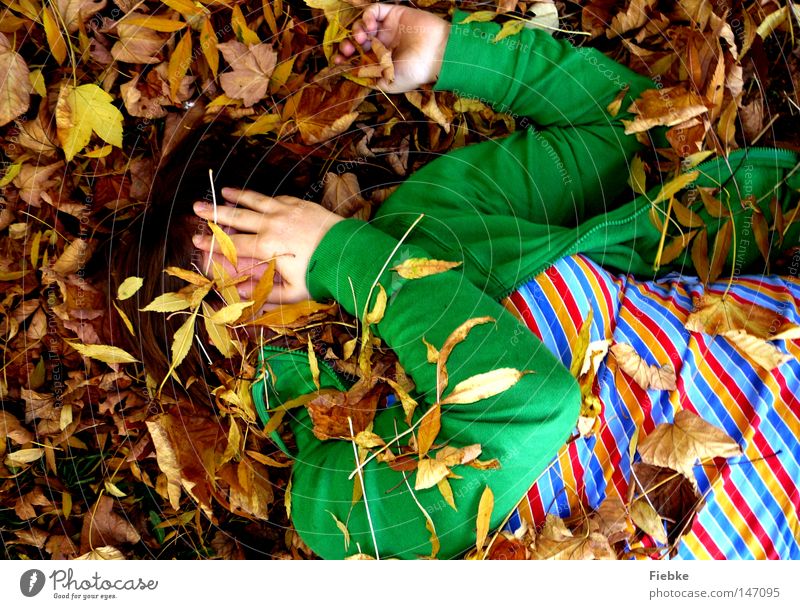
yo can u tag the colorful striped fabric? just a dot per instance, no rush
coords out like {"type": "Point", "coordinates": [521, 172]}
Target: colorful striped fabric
{"type": "Point", "coordinates": [752, 502]}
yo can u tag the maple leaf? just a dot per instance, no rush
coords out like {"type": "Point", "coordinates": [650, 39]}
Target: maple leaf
{"type": "Point", "coordinates": [330, 411]}
{"type": "Point", "coordinates": [320, 114]}
{"type": "Point", "coordinates": [646, 376]}
{"type": "Point", "coordinates": [34, 179]}
{"type": "Point", "coordinates": [82, 110]}
{"type": "Point", "coordinates": [681, 444]}
{"type": "Point", "coordinates": [15, 98]}
{"type": "Point", "coordinates": [557, 542]}
{"type": "Point", "coordinates": [137, 44]}
{"type": "Point", "coordinates": [103, 526]}
{"type": "Point", "coordinates": [251, 67]}
{"type": "Point", "coordinates": [715, 314]}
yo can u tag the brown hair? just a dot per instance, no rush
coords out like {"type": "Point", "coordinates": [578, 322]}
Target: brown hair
{"type": "Point", "coordinates": [161, 236]}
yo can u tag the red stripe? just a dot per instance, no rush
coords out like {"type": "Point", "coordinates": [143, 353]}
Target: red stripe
{"type": "Point", "coordinates": [749, 516]}
{"type": "Point", "coordinates": [706, 540]}
{"type": "Point", "coordinates": [525, 311]}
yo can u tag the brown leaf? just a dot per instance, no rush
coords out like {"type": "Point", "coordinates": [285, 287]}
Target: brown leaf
{"type": "Point", "coordinates": [646, 376]}
{"type": "Point", "coordinates": [612, 519]}
{"type": "Point", "coordinates": [342, 194]}
{"type": "Point", "coordinates": [647, 519]}
{"type": "Point", "coordinates": [681, 444]}
{"type": "Point", "coordinates": [668, 106]}
{"type": "Point", "coordinates": [672, 494]}
{"type": "Point", "coordinates": [12, 429]}
{"type": "Point", "coordinates": [24, 505]}
{"type": "Point", "coordinates": [103, 526]}
{"type": "Point", "coordinates": [137, 44]}
{"type": "Point", "coordinates": [251, 67]}
{"type": "Point", "coordinates": [330, 410]}
{"type": "Point", "coordinates": [16, 86]}
{"type": "Point", "coordinates": [719, 255]}
{"type": "Point", "coordinates": [714, 314]}
{"type": "Point", "coordinates": [426, 102]}
{"type": "Point", "coordinates": [765, 354]}
{"type": "Point", "coordinates": [320, 115]}
{"type": "Point", "coordinates": [508, 548]}
{"type": "Point", "coordinates": [75, 12]}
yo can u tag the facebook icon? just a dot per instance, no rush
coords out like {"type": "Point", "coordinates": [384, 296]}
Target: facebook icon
{"type": "Point", "coordinates": [31, 582]}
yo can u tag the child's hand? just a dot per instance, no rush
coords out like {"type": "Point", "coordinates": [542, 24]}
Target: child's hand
{"type": "Point", "coordinates": [416, 38]}
{"type": "Point", "coordinates": [284, 228]}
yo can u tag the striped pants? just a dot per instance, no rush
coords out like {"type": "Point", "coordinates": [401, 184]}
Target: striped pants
{"type": "Point", "coordinates": [753, 501]}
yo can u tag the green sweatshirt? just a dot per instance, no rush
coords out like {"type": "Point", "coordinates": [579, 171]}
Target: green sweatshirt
{"type": "Point", "coordinates": [506, 208]}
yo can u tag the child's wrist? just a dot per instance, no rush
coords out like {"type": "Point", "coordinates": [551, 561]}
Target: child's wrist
{"type": "Point", "coordinates": [440, 50]}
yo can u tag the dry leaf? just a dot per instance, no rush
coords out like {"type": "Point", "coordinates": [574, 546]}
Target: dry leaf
{"type": "Point", "coordinates": [681, 444]}
{"type": "Point", "coordinates": [668, 106]}
{"type": "Point", "coordinates": [137, 44]}
{"type": "Point", "coordinates": [102, 526]}
{"type": "Point", "coordinates": [765, 354]}
{"type": "Point", "coordinates": [486, 385]}
{"type": "Point", "coordinates": [647, 519]}
{"type": "Point", "coordinates": [105, 353]}
{"type": "Point", "coordinates": [429, 473]}
{"type": "Point", "coordinates": [416, 268]}
{"type": "Point", "coordinates": [16, 86]}
{"type": "Point", "coordinates": [251, 67]}
{"type": "Point", "coordinates": [646, 376]}
{"type": "Point", "coordinates": [82, 110]}
{"type": "Point", "coordinates": [714, 314]}
{"type": "Point", "coordinates": [483, 519]}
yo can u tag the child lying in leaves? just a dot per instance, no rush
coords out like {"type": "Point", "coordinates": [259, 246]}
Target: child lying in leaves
{"type": "Point", "coordinates": [487, 273]}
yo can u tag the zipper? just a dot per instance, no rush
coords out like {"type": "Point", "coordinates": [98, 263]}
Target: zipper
{"type": "Point", "coordinates": [756, 153]}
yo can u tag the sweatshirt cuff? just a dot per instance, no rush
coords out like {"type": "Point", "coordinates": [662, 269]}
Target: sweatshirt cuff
{"type": "Point", "coordinates": [347, 262]}
{"type": "Point", "coordinates": [469, 51]}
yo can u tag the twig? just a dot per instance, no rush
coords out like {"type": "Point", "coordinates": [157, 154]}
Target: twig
{"type": "Point", "coordinates": [363, 490]}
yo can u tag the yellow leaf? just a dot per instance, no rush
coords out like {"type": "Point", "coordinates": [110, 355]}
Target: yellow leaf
{"type": "Point", "coordinates": [581, 346]}
{"type": "Point", "coordinates": [112, 489]}
{"type": "Point", "coordinates": [772, 21]}
{"type": "Point", "coordinates": [129, 287]}
{"type": "Point", "coordinates": [485, 508]}
{"type": "Point", "coordinates": [479, 16]}
{"type": "Point", "coordinates": [55, 39]}
{"type": "Point", "coordinates": [409, 404]}
{"type": "Point", "coordinates": [343, 528]}
{"type": "Point", "coordinates": [266, 123]}
{"type": "Point", "coordinates": [104, 353]}
{"type": "Point", "coordinates": [680, 444]}
{"type": "Point", "coordinates": [218, 333]}
{"type": "Point", "coordinates": [241, 30]}
{"type": "Point", "coordinates": [719, 254]}
{"type": "Point", "coordinates": [486, 385]}
{"type": "Point", "coordinates": [428, 429]}
{"type": "Point", "coordinates": [378, 309]}
{"type": "Point", "coordinates": [159, 24]}
{"type": "Point", "coordinates": [674, 248]}
{"type": "Point", "coordinates": [647, 519]}
{"type": "Point", "coordinates": [186, 8]}
{"type": "Point", "coordinates": [312, 363]}
{"type": "Point", "coordinates": [208, 42]}
{"type": "Point", "coordinates": [26, 455]}
{"type": "Point", "coordinates": [225, 243]}
{"type": "Point", "coordinates": [429, 472]}
{"type": "Point", "coordinates": [675, 185]}
{"type": "Point", "coordinates": [190, 276]}
{"type": "Point", "coordinates": [14, 75]}
{"type": "Point", "coordinates": [447, 493]}
{"type": "Point", "coordinates": [637, 178]}
{"type": "Point", "coordinates": [432, 352]}
{"type": "Point", "coordinates": [82, 110]}
{"type": "Point", "coordinates": [179, 63]}
{"type": "Point", "coordinates": [125, 319]}
{"type": "Point", "coordinates": [456, 336]}
{"type": "Point", "coordinates": [181, 343]}
{"type": "Point", "coordinates": [416, 268]}
{"type": "Point", "coordinates": [168, 303]}
{"type": "Point", "coordinates": [434, 538]}
{"type": "Point", "coordinates": [230, 313]}
{"type": "Point", "coordinates": [510, 28]}
{"type": "Point", "coordinates": [368, 439]}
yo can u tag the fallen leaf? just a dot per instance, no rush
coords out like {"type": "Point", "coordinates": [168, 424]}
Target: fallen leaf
{"type": "Point", "coordinates": [416, 268]}
{"type": "Point", "coordinates": [16, 86]}
{"type": "Point", "coordinates": [129, 287]}
{"type": "Point", "coordinates": [483, 519]}
{"type": "Point", "coordinates": [456, 337]}
{"type": "Point", "coordinates": [102, 526]}
{"type": "Point", "coordinates": [681, 444]}
{"type": "Point", "coordinates": [108, 354]}
{"type": "Point", "coordinates": [486, 385]}
{"type": "Point", "coordinates": [137, 44]}
{"type": "Point", "coordinates": [251, 67]}
{"type": "Point", "coordinates": [765, 354]}
{"type": "Point", "coordinates": [646, 376]}
{"type": "Point", "coordinates": [429, 473]}
{"type": "Point", "coordinates": [667, 106]}
{"type": "Point", "coordinates": [715, 314]}
{"type": "Point", "coordinates": [647, 519]}
{"type": "Point", "coordinates": [82, 110]}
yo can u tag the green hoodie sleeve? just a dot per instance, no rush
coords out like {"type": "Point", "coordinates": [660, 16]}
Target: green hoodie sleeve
{"type": "Point", "coordinates": [493, 202]}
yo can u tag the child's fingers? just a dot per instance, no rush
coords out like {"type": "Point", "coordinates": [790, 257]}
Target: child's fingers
{"type": "Point", "coordinates": [238, 218]}
{"type": "Point", "coordinates": [249, 198]}
{"type": "Point", "coordinates": [375, 13]}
